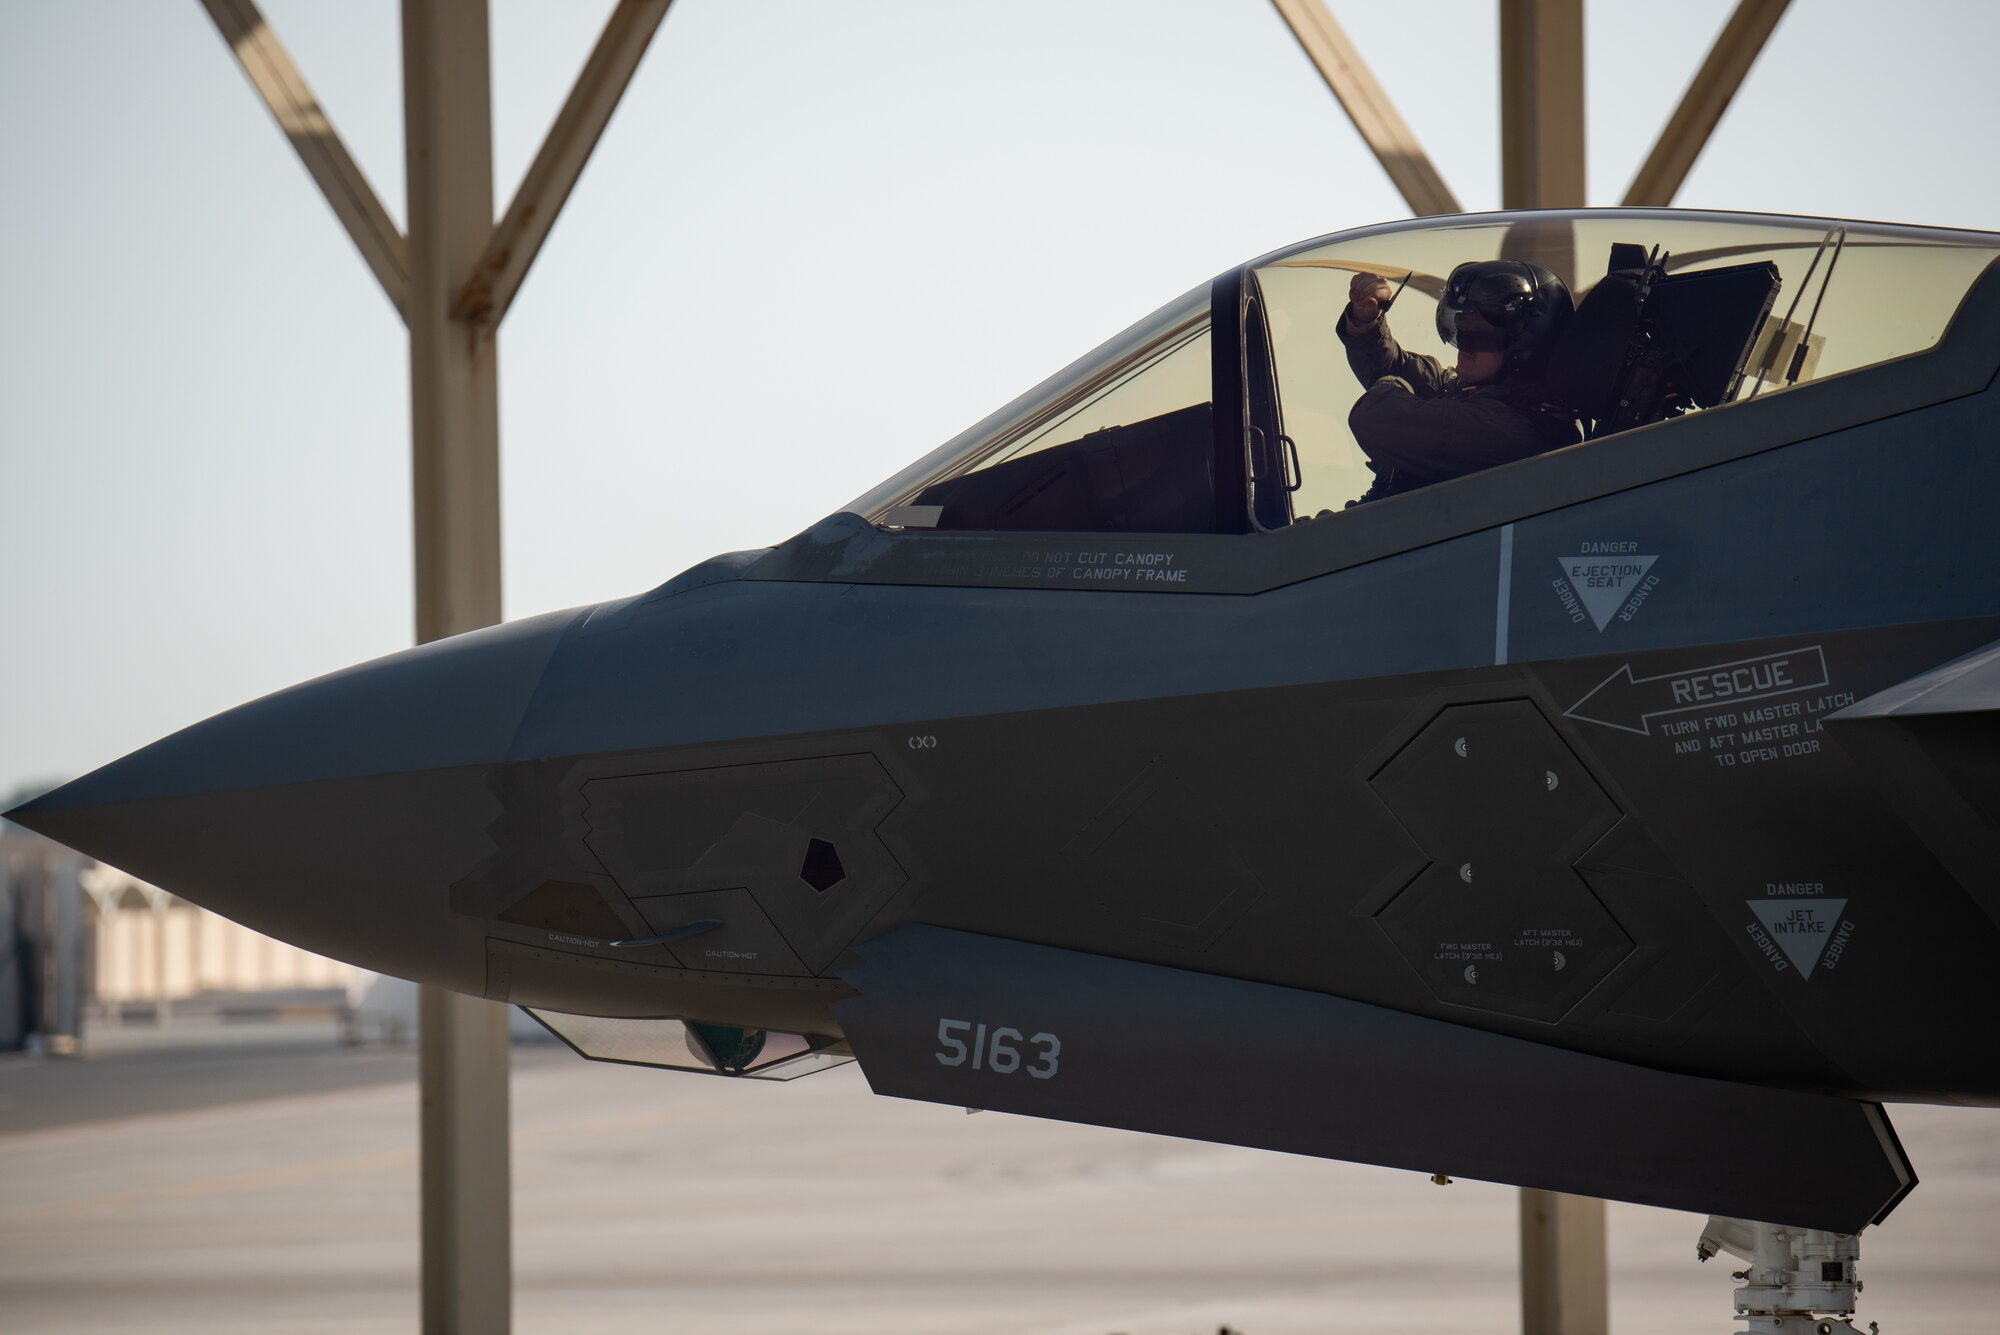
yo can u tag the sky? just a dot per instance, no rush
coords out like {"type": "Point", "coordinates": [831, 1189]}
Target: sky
{"type": "Point", "coordinates": [816, 241]}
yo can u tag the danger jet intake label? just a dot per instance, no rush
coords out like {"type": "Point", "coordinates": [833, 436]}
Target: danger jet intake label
{"type": "Point", "coordinates": [1794, 933]}
{"type": "Point", "coordinates": [1605, 579]}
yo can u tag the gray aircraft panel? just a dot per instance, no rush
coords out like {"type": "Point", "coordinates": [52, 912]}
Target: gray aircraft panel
{"type": "Point", "coordinates": [768, 658]}
{"type": "Point", "coordinates": [1768, 545]}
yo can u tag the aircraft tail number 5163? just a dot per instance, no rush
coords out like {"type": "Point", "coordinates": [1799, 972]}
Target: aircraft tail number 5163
{"type": "Point", "coordinates": [995, 1050]}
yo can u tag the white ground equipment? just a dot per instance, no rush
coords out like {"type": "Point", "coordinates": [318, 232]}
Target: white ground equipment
{"type": "Point", "coordinates": [1800, 1281]}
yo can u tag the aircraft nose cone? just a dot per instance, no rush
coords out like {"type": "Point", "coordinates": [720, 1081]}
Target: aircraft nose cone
{"type": "Point", "coordinates": [335, 815]}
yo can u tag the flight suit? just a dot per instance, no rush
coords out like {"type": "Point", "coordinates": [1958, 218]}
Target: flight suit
{"type": "Point", "coordinates": [1418, 425]}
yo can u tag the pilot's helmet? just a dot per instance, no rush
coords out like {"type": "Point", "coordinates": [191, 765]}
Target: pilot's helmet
{"type": "Point", "coordinates": [1505, 305]}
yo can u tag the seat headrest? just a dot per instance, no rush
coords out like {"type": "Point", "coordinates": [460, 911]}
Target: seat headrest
{"type": "Point", "coordinates": [1585, 365]}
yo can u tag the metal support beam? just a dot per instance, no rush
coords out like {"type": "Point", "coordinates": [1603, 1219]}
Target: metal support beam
{"type": "Point", "coordinates": [1564, 1285]}
{"type": "Point", "coordinates": [1541, 104]}
{"type": "Point", "coordinates": [454, 380]}
{"type": "Point", "coordinates": [455, 466]}
{"type": "Point", "coordinates": [518, 237]}
{"type": "Point", "coordinates": [285, 93]}
{"type": "Point", "coordinates": [455, 454]}
{"type": "Point", "coordinates": [467, 1233]}
{"type": "Point", "coordinates": [1391, 140]}
{"type": "Point", "coordinates": [1736, 49]}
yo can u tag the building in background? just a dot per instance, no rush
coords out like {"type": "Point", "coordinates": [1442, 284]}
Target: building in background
{"type": "Point", "coordinates": [150, 950]}
{"type": "Point", "coordinates": [81, 943]}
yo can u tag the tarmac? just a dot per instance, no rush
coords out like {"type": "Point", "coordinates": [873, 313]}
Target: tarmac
{"type": "Point", "coordinates": [263, 1178]}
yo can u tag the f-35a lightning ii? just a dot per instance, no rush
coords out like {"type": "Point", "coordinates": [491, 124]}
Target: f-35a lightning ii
{"type": "Point", "coordinates": [1622, 821]}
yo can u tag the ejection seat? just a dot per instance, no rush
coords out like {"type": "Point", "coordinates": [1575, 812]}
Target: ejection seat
{"type": "Point", "coordinates": [1646, 345]}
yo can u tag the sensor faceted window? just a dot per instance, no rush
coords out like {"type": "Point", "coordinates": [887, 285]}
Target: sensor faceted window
{"type": "Point", "coordinates": [821, 869]}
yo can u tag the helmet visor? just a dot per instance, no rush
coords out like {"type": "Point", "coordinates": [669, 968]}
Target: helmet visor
{"type": "Point", "coordinates": [1473, 334]}
{"type": "Point", "coordinates": [1482, 304]}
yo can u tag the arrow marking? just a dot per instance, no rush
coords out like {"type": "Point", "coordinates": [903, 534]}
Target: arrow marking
{"type": "Point", "coordinates": [1626, 702]}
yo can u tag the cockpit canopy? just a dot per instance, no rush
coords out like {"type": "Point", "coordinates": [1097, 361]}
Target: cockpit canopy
{"type": "Point", "coordinates": [1186, 423]}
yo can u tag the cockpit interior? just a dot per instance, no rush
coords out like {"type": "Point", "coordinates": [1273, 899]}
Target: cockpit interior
{"type": "Point", "coordinates": [1227, 411]}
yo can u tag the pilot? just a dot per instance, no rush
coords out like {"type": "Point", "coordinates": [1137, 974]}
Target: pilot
{"type": "Point", "coordinates": [1420, 423]}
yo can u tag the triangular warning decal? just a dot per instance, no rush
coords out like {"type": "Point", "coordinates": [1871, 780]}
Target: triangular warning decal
{"type": "Point", "coordinates": [1801, 927]}
{"type": "Point", "coordinates": [1603, 583]}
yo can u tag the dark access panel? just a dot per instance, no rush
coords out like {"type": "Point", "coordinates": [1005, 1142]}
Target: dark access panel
{"type": "Point", "coordinates": [1501, 920]}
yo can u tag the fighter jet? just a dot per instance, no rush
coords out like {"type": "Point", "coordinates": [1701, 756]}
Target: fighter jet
{"type": "Point", "coordinates": [1617, 821]}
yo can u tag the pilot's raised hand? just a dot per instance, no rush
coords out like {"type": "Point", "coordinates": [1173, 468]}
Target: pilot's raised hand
{"type": "Point", "coordinates": [1365, 298]}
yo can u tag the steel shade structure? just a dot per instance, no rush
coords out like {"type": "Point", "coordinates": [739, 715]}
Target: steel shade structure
{"type": "Point", "coordinates": [453, 278]}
